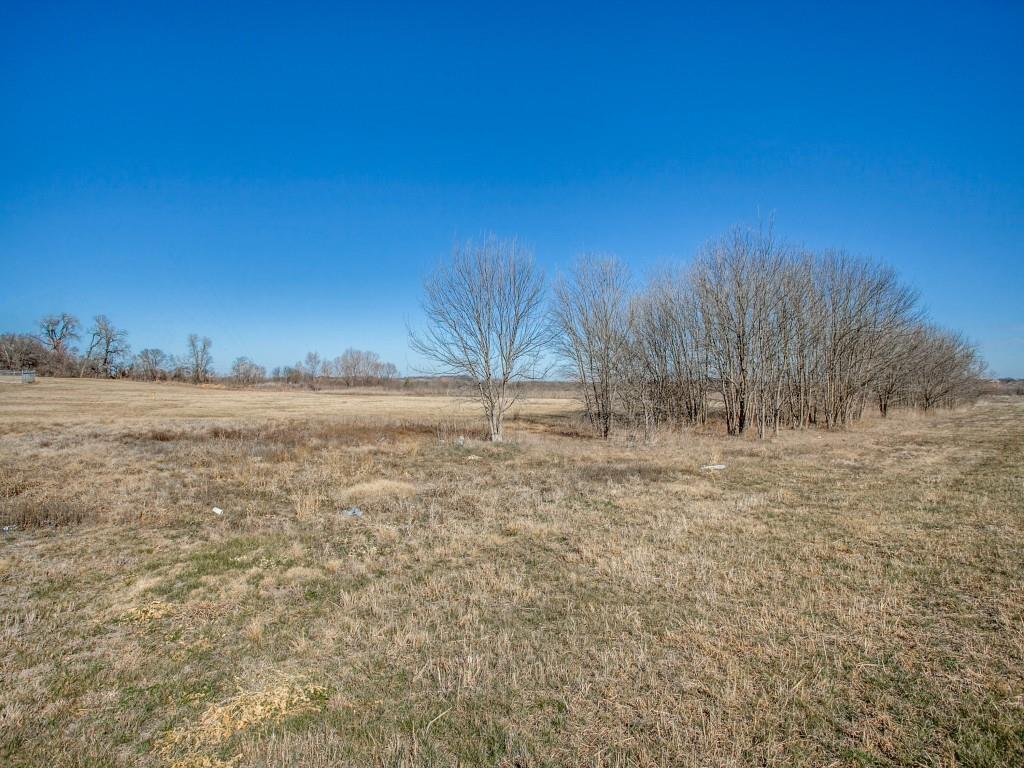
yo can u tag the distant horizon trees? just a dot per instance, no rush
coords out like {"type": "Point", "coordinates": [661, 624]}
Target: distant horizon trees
{"type": "Point", "coordinates": [107, 354]}
{"type": "Point", "coordinates": [151, 365]}
{"type": "Point", "coordinates": [245, 371]}
{"type": "Point", "coordinates": [354, 367]}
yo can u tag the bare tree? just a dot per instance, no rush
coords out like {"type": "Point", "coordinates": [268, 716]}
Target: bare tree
{"type": "Point", "coordinates": [200, 361]}
{"type": "Point", "coordinates": [151, 365]}
{"type": "Point", "coordinates": [786, 336]}
{"type": "Point", "coordinates": [58, 331]}
{"type": "Point", "coordinates": [313, 368]}
{"type": "Point", "coordinates": [906, 354]}
{"type": "Point", "coordinates": [356, 366]}
{"type": "Point", "coordinates": [735, 282]}
{"type": "Point", "coordinates": [865, 311]}
{"type": "Point", "coordinates": [484, 312]}
{"type": "Point", "coordinates": [798, 324]}
{"type": "Point", "coordinates": [386, 372]}
{"type": "Point", "coordinates": [667, 337]}
{"type": "Point", "coordinates": [19, 351]}
{"type": "Point", "coordinates": [371, 366]}
{"type": "Point", "coordinates": [591, 313]}
{"type": "Point", "coordinates": [348, 366]}
{"type": "Point", "coordinates": [948, 371]}
{"type": "Point", "coordinates": [107, 351]}
{"type": "Point", "coordinates": [245, 371]}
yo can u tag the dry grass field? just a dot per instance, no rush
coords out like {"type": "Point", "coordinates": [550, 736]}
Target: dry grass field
{"type": "Point", "coordinates": [827, 599]}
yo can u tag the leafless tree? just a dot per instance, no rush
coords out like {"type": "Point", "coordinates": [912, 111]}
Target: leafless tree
{"type": "Point", "coordinates": [107, 351]}
{"type": "Point", "coordinates": [179, 368]}
{"type": "Point", "coordinates": [371, 367]}
{"type": "Point", "coordinates": [245, 371]}
{"type": "Point", "coordinates": [357, 366]}
{"type": "Point", "coordinates": [484, 313]}
{"type": "Point", "coordinates": [313, 369]}
{"type": "Point", "coordinates": [865, 310]}
{"type": "Point", "coordinates": [293, 374]}
{"type": "Point", "coordinates": [349, 366]}
{"type": "Point", "coordinates": [735, 283]}
{"type": "Point", "coordinates": [798, 324]}
{"type": "Point", "coordinates": [386, 372]}
{"type": "Point", "coordinates": [906, 354]}
{"type": "Point", "coordinates": [151, 365]}
{"type": "Point", "coordinates": [58, 331]}
{"type": "Point", "coordinates": [363, 367]}
{"type": "Point", "coordinates": [200, 361]}
{"type": "Point", "coordinates": [948, 372]}
{"type": "Point", "coordinates": [786, 336]}
{"type": "Point", "coordinates": [21, 351]}
{"type": "Point", "coordinates": [591, 315]}
{"type": "Point", "coordinates": [666, 343]}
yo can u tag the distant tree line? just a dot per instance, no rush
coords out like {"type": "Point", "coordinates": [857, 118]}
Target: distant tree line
{"type": "Point", "coordinates": [354, 367]}
{"type": "Point", "coordinates": [1006, 386]}
{"type": "Point", "coordinates": [105, 353]}
{"type": "Point", "coordinates": [769, 335]}
{"type": "Point", "coordinates": [195, 365]}
{"type": "Point", "coordinates": [52, 351]}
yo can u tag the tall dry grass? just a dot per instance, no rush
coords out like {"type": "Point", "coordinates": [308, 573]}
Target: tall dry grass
{"type": "Point", "coordinates": [827, 599]}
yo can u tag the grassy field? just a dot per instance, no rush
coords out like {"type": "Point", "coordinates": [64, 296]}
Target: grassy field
{"type": "Point", "coordinates": [827, 599]}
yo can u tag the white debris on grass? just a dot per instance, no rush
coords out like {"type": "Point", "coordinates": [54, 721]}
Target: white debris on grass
{"type": "Point", "coordinates": [353, 512]}
{"type": "Point", "coordinates": [713, 466]}
{"type": "Point", "coordinates": [218, 511]}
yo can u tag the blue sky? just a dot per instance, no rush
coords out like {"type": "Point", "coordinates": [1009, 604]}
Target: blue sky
{"type": "Point", "coordinates": [280, 176]}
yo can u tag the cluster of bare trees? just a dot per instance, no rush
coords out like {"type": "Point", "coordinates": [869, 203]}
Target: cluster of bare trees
{"type": "Point", "coordinates": [105, 353]}
{"type": "Point", "coordinates": [762, 334]}
{"type": "Point", "coordinates": [360, 367]}
{"type": "Point", "coordinates": [591, 311]}
{"type": "Point", "coordinates": [354, 367]}
{"type": "Point", "coordinates": [785, 338]}
{"type": "Point", "coordinates": [52, 351]}
{"type": "Point", "coordinates": [194, 366]}
{"type": "Point", "coordinates": [244, 371]}
{"type": "Point", "coordinates": [153, 364]}
{"type": "Point", "coordinates": [22, 351]}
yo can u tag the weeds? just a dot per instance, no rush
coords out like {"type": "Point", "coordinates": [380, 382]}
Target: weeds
{"type": "Point", "coordinates": [844, 599]}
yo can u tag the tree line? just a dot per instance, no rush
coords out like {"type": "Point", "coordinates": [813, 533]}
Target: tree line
{"type": "Point", "coordinates": [759, 333]}
{"type": "Point", "coordinates": [354, 367]}
{"type": "Point", "coordinates": [756, 332]}
{"type": "Point", "coordinates": [105, 353]}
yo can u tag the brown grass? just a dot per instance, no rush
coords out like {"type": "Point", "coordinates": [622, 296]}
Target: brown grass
{"type": "Point", "coordinates": [827, 599]}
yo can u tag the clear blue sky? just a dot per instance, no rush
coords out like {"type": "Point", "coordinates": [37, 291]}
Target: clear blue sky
{"type": "Point", "coordinates": [280, 176]}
